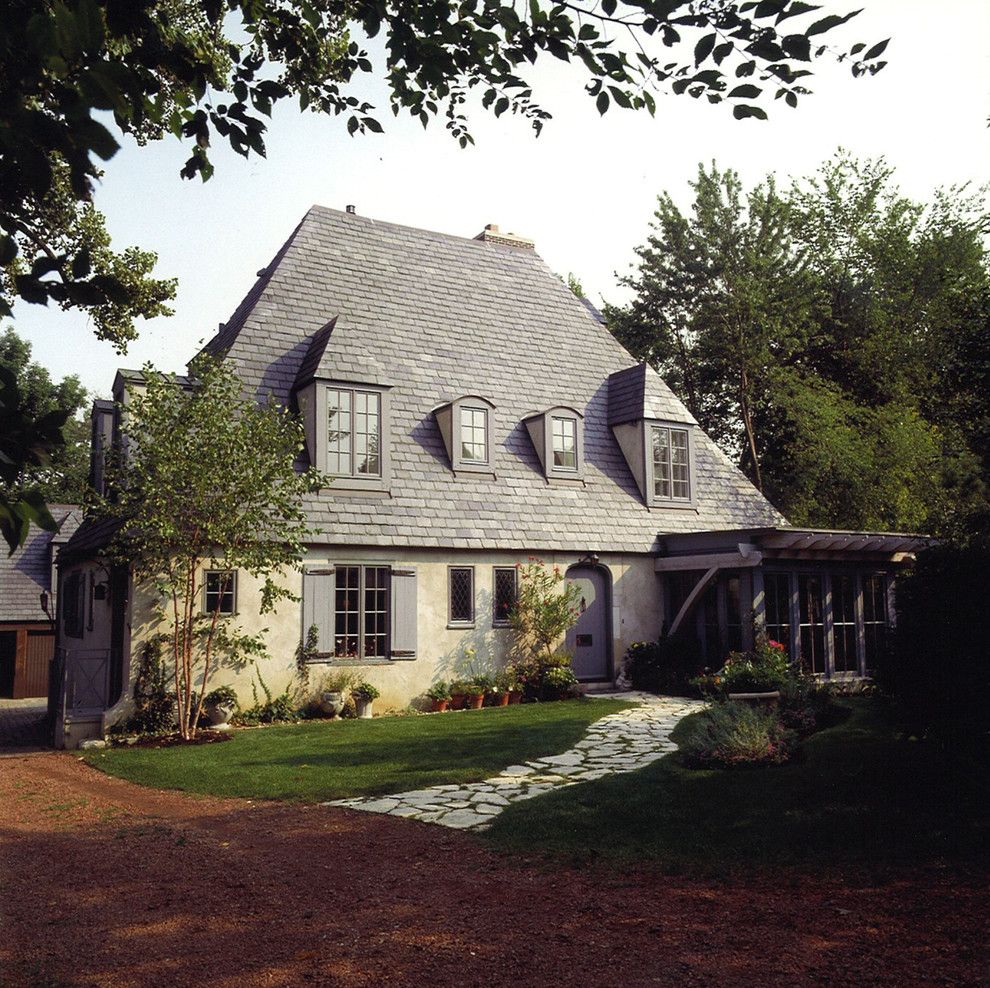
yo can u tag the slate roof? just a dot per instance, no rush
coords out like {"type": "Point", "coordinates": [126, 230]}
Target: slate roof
{"type": "Point", "coordinates": [28, 572]}
{"type": "Point", "coordinates": [439, 315]}
{"type": "Point", "coordinates": [639, 392]}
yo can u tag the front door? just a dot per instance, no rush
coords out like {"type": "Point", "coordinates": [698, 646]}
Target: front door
{"type": "Point", "coordinates": [588, 638]}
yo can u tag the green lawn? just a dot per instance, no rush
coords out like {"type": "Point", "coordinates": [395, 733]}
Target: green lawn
{"type": "Point", "coordinates": [334, 760]}
{"type": "Point", "coordinates": [860, 796]}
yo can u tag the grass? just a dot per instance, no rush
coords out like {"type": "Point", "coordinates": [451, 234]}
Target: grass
{"type": "Point", "coordinates": [335, 760]}
{"type": "Point", "coordinates": [859, 796]}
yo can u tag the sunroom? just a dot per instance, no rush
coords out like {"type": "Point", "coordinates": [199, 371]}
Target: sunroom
{"type": "Point", "coordinates": [828, 596]}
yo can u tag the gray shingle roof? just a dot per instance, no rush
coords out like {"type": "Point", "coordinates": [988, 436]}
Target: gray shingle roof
{"type": "Point", "coordinates": [441, 315]}
{"type": "Point", "coordinates": [27, 573]}
{"type": "Point", "coordinates": [639, 392]}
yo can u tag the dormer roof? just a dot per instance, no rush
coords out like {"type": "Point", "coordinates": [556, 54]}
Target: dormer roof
{"type": "Point", "coordinates": [639, 392]}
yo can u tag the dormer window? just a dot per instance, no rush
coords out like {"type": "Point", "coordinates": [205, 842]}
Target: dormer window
{"type": "Point", "coordinates": [563, 438]}
{"type": "Point", "coordinates": [354, 433]}
{"type": "Point", "coordinates": [474, 434]}
{"type": "Point", "coordinates": [466, 425]}
{"type": "Point", "coordinates": [557, 439]}
{"type": "Point", "coordinates": [671, 464]}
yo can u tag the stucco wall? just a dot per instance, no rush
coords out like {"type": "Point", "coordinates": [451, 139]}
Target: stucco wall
{"type": "Point", "coordinates": [441, 651]}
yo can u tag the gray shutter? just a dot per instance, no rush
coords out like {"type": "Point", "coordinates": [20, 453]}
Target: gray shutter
{"type": "Point", "coordinates": [317, 605]}
{"type": "Point", "coordinates": [404, 614]}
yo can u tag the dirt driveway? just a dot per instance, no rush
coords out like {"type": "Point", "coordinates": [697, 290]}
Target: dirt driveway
{"type": "Point", "coordinates": [104, 883]}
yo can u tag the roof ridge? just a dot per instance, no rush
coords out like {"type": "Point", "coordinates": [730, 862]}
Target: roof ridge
{"type": "Point", "coordinates": [422, 229]}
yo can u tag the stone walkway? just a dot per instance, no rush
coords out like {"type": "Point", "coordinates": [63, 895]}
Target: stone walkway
{"type": "Point", "coordinates": [619, 742]}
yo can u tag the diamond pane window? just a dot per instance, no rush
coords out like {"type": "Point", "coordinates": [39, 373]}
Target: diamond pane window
{"type": "Point", "coordinates": [505, 593]}
{"type": "Point", "coordinates": [474, 435]}
{"type": "Point", "coordinates": [461, 595]}
{"type": "Point", "coordinates": [218, 589]}
{"type": "Point", "coordinates": [563, 435]}
{"type": "Point", "coordinates": [354, 433]}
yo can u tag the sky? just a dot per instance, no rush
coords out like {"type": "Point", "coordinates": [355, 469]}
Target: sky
{"type": "Point", "coordinates": [584, 190]}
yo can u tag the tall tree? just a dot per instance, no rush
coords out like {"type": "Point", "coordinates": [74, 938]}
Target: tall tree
{"type": "Point", "coordinates": [65, 475]}
{"type": "Point", "coordinates": [831, 337]}
{"type": "Point", "coordinates": [202, 68]}
{"type": "Point", "coordinates": [207, 481]}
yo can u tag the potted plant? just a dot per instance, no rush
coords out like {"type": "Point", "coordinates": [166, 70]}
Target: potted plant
{"type": "Point", "coordinates": [756, 676]}
{"type": "Point", "coordinates": [500, 690]}
{"type": "Point", "coordinates": [439, 693]}
{"type": "Point", "coordinates": [513, 683]}
{"type": "Point", "coordinates": [458, 694]}
{"type": "Point", "coordinates": [474, 696]}
{"type": "Point", "coordinates": [558, 682]}
{"type": "Point", "coordinates": [332, 694]}
{"type": "Point", "coordinates": [364, 695]}
{"type": "Point", "coordinates": [219, 706]}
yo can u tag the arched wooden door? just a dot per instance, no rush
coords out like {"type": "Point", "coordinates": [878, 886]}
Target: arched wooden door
{"type": "Point", "coordinates": [588, 639]}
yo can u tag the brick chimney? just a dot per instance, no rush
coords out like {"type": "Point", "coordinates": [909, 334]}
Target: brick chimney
{"type": "Point", "coordinates": [492, 235]}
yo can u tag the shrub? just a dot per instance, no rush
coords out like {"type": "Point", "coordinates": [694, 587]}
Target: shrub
{"type": "Point", "coordinates": [730, 735]}
{"type": "Point", "coordinates": [275, 709]}
{"type": "Point", "coordinates": [543, 677]}
{"type": "Point", "coordinates": [761, 670]}
{"type": "Point", "coordinates": [664, 666]}
{"type": "Point", "coordinates": [937, 669]}
{"type": "Point", "coordinates": [546, 607]}
{"type": "Point", "coordinates": [222, 696]}
{"type": "Point", "coordinates": [154, 702]}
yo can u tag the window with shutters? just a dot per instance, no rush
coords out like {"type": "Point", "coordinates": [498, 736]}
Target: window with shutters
{"type": "Point", "coordinates": [220, 591]}
{"type": "Point", "coordinates": [361, 612]}
{"type": "Point", "coordinates": [460, 580]}
{"type": "Point", "coordinates": [504, 593]}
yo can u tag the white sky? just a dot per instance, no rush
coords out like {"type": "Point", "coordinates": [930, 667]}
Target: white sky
{"type": "Point", "coordinates": [585, 190]}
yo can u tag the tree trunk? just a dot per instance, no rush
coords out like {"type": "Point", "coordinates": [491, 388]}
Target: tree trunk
{"type": "Point", "coordinates": [748, 426]}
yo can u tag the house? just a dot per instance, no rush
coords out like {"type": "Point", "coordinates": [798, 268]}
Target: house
{"type": "Point", "coordinates": [474, 413]}
{"type": "Point", "coordinates": [27, 606]}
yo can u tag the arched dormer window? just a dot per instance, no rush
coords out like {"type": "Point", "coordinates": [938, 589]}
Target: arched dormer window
{"type": "Point", "coordinates": [558, 438]}
{"type": "Point", "coordinates": [466, 425]}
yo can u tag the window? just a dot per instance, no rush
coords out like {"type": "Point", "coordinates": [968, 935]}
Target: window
{"type": "Point", "coordinates": [361, 612]}
{"type": "Point", "coordinates": [844, 623]}
{"type": "Point", "coordinates": [563, 438]}
{"type": "Point", "coordinates": [73, 608]}
{"type": "Point", "coordinates": [671, 464]}
{"type": "Point", "coordinates": [874, 617]}
{"type": "Point", "coordinates": [461, 595]}
{"type": "Point", "coordinates": [777, 607]}
{"type": "Point", "coordinates": [505, 592]}
{"type": "Point", "coordinates": [812, 624]}
{"type": "Point", "coordinates": [220, 591]}
{"type": "Point", "coordinates": [474, 434]}
{"type": "Point", "coordinates": [354, 433]}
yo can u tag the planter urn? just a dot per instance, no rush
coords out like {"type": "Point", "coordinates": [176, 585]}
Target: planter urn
{"type": "Point", "coordinates": [219, 714]}
{"type": "Point", "coordinates": [363, 708]}
{"type": "Point", "coordinates": [332, 703]}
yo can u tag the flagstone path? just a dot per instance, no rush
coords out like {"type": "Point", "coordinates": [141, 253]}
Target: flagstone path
{"type": "Point", "coordinates": [619, 742]}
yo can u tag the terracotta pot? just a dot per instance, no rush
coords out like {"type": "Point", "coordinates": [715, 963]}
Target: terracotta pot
{"type": "Point", "coordinates": [500, 699]}
{"type": "Point", "coordinates": [440, 706]}
{"type": "Point", "coordinates": [474, 702]}
{"type": "Point", "coordinates": [515, 696]}
{"type": "Point", "coordinates": [457, 701]}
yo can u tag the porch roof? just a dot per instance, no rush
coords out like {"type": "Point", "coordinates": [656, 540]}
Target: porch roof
{"type": "Point", "coordinates": [787, 542]}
